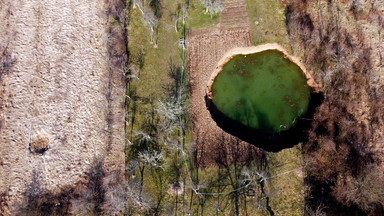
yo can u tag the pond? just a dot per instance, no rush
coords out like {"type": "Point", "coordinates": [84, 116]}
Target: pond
{"type": "Point", "coordinates": [262, 98]}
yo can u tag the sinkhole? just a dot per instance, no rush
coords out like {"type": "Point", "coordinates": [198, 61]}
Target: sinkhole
{"type": "Point", "coordinates": [263, 96]}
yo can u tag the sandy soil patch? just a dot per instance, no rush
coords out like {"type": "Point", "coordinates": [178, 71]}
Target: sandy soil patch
{"type": "Point", "coordinates": [66, 80]}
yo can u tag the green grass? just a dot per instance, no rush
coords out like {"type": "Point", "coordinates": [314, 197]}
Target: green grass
{"type": "Point", "coordinates": [198, 18]}
{"type": "Point", "coordinates": [154, 74]}
{"type": "Point", "coordinates": [267, 20]}
{"type": "Point", "coordinates": [156, 60]}
{"type": "Point", "coordinates": [151, 86]}
{"type": "Point", "coordinates": [153, 77]}
{"type": "Point", "coordinates": [287, 192]}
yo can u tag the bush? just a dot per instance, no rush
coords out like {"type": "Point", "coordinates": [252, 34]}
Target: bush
{"type": "Point", "coordinates": [366, 190]}
{"type": "Point", "coordinates": [340, 152]}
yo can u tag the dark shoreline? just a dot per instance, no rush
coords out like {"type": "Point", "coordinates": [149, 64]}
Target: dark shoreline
{"type": "Point", "coordinates": [269, 142]}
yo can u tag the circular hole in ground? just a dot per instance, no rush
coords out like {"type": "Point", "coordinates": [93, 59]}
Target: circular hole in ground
{"type": "Point", "coordinates": [264, 97]}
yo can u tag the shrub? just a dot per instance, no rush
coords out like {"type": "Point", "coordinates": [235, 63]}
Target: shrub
{"type": "Point", "coordinates": [366, 190]}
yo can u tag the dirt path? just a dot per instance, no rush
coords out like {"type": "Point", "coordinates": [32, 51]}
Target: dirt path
{"type": "Point", "coordinates": [62, 84]}
{"type": "Point", "coordinates": [206, 48]}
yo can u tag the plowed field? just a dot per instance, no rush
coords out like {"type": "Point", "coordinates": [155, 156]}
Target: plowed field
{"type": "Point", "coordinates": [205, 48]}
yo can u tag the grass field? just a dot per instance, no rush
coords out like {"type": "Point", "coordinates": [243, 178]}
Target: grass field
{"type": "Point", "coordinates": [287, 191]}
{"type": "Point", "coordinates": [153, 83]}
{"type": "Point", "coordinates": [198, 18]}
{"type": "Point", "coordinates": [267, 21]}
{"type": "Point", "coordinates": [153, 76]}
{"type": "Point", "coordinates": [153, 64]}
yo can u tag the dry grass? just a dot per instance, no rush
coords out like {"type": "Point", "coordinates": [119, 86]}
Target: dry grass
{"type": "Point", "coordinates": [61, 73]}
{"type": "Point", "coordinates": [39, 142]}
{"type": "Point", "coordinates": [341, 44]}
{"type": "Point", "coordinates": [267, 21]}
{"type": "Point", "coordinates": [286, 191]}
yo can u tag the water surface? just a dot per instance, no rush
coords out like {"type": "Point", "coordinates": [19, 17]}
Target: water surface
{"type": "Point", "coordinates": [263, 91]}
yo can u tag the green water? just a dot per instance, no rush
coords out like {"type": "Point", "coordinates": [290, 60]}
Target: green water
{"type": "Point", "coordinates": [264, 91]}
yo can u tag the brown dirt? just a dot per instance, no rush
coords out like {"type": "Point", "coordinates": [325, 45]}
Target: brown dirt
{"type": "Point", "coordinates": [60, 73]}
{"type": "Point", "coordinates": [206, 47]}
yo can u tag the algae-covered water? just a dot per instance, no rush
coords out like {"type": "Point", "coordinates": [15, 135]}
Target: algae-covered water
{"type": "Point", "coordinates": [263, 91]}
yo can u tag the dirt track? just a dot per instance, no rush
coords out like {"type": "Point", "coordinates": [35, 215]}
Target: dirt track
{"type": "Point", "coordinates": [62, 83]}
{"type": "Point", "coordinates": [206, 47]}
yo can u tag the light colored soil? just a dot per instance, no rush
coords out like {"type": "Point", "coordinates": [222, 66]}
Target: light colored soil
{"type": "Point", "coordinates": [255, 49]}
{"type": "Point", "coordinates": [205, 49]}
{"type": "Point", "coordinates": [64, 82]}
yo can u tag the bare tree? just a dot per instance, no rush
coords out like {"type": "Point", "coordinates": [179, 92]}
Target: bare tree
{"type": "Point", "coordinates": [136, 196]}
{"type": "Point", "coordinates": [170, 110]}
{"type": "Point", "coordinates": [318, 211]}
{"type": "Point", "coordinates": [213, 6]}
{"type": "Point", "coordinates": [149, 19]}
{"type": "Point", "coordinates": [176, 16]}
{"type": "Point", "coordinates": [142, 136]}
{"type": "Point", "coordinates": [365, 190]}
{"type": "Point", "coordinates": [255, 175]}
{"type": "Point", "coordinates": [152, 158]}
{"type": "Point", "coordinates": [130, 72]}
{"type": "Point", "coordinates": [139, 4]}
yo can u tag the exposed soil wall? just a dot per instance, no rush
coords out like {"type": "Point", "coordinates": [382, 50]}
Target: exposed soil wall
{"type": "Point", "coordinates": [62, 93]}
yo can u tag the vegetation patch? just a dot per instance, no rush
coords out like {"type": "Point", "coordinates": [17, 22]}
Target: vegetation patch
{"type": "Point", "coordinates": [3, 202]}
{"type": "Point", "coordinates": [342, 152]}
{"type": "Point", "coordinates": [199, 17]}
{"type": "Point", "coordinates": [6, 60]}
{"type": "Point", "coordinates": [39, 142]}
{"type": "Point", "coordinates": [267, 20]}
